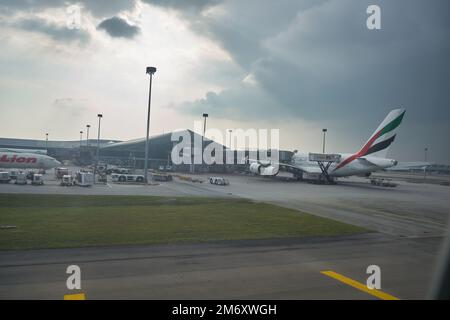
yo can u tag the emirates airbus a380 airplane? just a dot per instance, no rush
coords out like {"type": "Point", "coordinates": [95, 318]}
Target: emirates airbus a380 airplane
{"type": "Point", "coordinates": [370, 158]}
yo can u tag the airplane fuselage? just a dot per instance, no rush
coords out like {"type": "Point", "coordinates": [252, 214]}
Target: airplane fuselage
{"type": "Point", "coordinates": [19, 160]}
{"type": "Point", "coordinates": [346, 166]}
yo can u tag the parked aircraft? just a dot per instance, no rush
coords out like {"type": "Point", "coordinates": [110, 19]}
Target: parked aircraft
{"type": "Point", "coordinates": [370, 158]}
{"type": "Point", "coordinates": [27, 160]}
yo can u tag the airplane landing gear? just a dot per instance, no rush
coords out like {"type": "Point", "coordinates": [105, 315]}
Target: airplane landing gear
{"type": "Point", "coordinates": [325, 176]}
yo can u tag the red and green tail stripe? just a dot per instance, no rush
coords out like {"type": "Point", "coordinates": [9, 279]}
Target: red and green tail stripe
{"type": "Point", "coordinates": [369, 147]}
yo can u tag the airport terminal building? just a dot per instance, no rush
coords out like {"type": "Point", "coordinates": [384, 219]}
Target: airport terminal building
{"type": "Point", "coordinates": [131, 153]}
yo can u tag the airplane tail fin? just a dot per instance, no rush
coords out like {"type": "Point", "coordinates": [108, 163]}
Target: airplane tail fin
{"type": "Point", "coordinates": [380, 141]}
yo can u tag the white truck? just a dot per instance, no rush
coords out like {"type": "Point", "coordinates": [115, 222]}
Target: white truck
{"type": "Point", "coordinates": [4, 177]}
{"type": "Point", "coordinates": [84, 179]}
{"type": "Point", "coordinates": [67, 180]}
{"type": "Point", "coordinates": [117, 177]}
{"type": "Point", "coordinates": [37, 180]}
{"type": "Point", "coordinates": [21, 178]}
{"type": "Point", "coordinates": [60, 172]}
{"type": "Point", "coordinates": [13, 174]}
{"type": "Point", "coordinates": [219, 181]}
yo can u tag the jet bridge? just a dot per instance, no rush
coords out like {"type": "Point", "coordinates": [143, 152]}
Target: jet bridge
{"type": "Point", "coordinates": [324, 160]}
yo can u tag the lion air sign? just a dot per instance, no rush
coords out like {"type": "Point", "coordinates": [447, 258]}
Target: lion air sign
{"type": "Point", "coordinates": [27, 160]}
{"type": "Point", "coordinates": [16, 158]}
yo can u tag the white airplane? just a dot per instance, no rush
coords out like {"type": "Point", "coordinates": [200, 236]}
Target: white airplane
{"type": "Point", "coordinates": [371, 157]}
{"type": "Point", "coordinates": [26, 160]}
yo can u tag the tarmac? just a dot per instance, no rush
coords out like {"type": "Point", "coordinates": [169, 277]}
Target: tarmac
{"type": "Point", "coordinates": [262, 269]}
{"type": "Point", "coordinates": [409, 223]}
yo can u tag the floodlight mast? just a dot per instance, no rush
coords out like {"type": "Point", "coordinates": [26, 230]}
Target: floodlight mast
{"type": "Point", "coordinates": [324, 134]}
{"type": "Point", "coordinates": [150, 71]}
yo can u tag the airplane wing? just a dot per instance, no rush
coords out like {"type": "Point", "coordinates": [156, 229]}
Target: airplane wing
{"type": "Point", "coordinates": [407, 166]}
{"type": "Point", "coordinates": [295, 169]}
{"type": "Point", "coordinates": [367, 162]}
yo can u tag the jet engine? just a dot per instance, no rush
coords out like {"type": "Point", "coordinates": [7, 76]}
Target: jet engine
{"type": "Point", "coordinates": [263, 170]}
{"type": "Point", "coordinates": [254, 168]}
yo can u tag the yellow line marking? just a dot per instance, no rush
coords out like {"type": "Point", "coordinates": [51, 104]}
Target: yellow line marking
{"type": "Point", "coordinates": [355, 284]}
{"type": "Point", "coordinates": [76, 296]}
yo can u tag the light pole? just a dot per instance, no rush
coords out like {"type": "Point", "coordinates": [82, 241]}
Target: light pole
{"type": "Point", "coordinates": [151, 71]}
{"type": "Point", "coordinates": [100, 116]}
{"type": "Point", "coordinates": [205, 115]}
{"type": "Point", "coordinates": [46, 142]}
{"type": "Point", "coordinates": [87, 134]}
{"type": "Point", "coordinates": [323, 145]}
{"type": "Point", "coordinates": [425, 167]}
{"type": "Point", "coordinates": [81, 137]}
{"type": "Point", "coordinates": [230, 151]}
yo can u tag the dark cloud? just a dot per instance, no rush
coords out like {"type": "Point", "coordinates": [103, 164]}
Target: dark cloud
{"type": "Point", "coordinates": [309, 59]}
{"type": "Point", "coordinates": [325, 63]}
{"type": "Point", "coordinates": [107, 8]}
{"type": "Point", "coordinates": [184, 6]}
{"type": "Point", "coordinates": [56, 32]}
{"type": "Point", "coordinates": [99, 8]}
{"type": "Point", "coordinates": [241, 98]}
{"type": "Point", "coordinates": [119, 28]}
{"type": "Point", "coordinates": [316, 60]}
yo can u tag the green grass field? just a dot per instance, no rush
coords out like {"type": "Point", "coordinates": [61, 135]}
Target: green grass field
{"type": "Point", "coordinates": [62, 221]}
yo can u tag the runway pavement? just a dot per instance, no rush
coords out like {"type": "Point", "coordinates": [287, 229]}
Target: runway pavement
{"type": "Point", "coordinates": [256, 269]}
{"type": "Point", "coordinates": [409, 221]}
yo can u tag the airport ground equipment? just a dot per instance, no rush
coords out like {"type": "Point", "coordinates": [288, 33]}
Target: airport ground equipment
{"type": "Point", "coordinates": [127, 178]}
{"type": "Point", "coordinates": [60, 172]}
{"type": "Point", "coordinates": [161, 177]}
{"type": "Point", "coordinates": [37, 180]}
{"type": "Point", "coordinates": [165, 168]}
{"type": "Point", "coordinates": [188, 178]}
{"type": "Point", "coordinates": [383, 182]}
{"type": "Point", "coordinates": [84, 179]}
{"type": "Point", "coordinates": [325, 160]}
{"type": "Point", "coordinates": [220, 181]}
{"type": "Point", "coordinates": [119, 170]}
{"type": "Point", "coordinates": [101, 168]}
{"type": "Point", "coordinates": [4, 177]}
{"type": "Point", "coordinates": [102, 177]}
{"type": "Point", "coordinates": [30, 175]}
{"type": "Point", "coordinates": [21, 178]}
{"type": "Point", "coordinates": [67, 180]}
{"type": "Point", "coordinates": [13, 174]}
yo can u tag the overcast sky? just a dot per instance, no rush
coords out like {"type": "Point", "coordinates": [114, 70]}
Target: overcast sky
{"type": "Point", "coordinates": [298, 66]}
